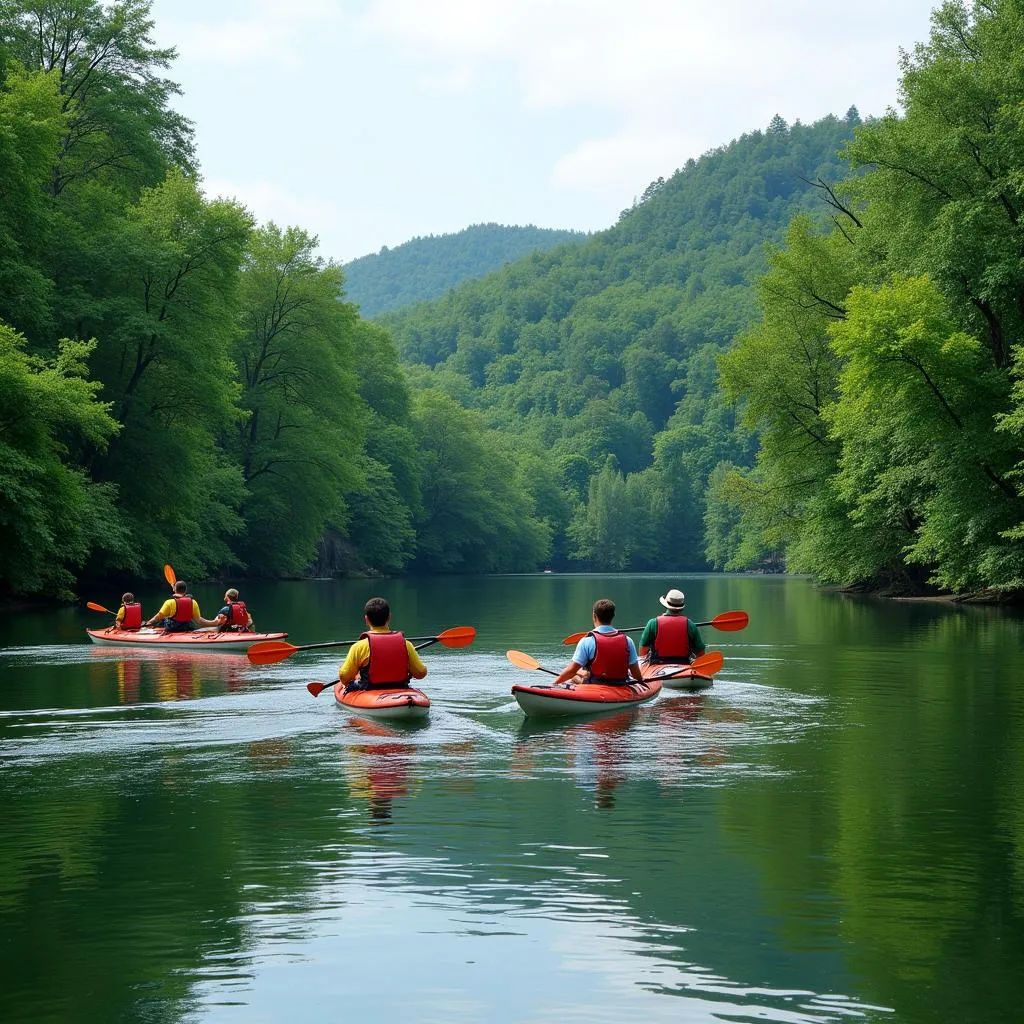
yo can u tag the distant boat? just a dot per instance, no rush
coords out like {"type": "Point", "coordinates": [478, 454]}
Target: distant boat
{"type": "Point", "coordinates": [547, 570]}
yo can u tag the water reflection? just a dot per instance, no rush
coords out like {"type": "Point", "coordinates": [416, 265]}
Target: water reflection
{"type": "Point", "coordinates": [165, 676]}
{"type": "Point", "coordinates": [380, 771]}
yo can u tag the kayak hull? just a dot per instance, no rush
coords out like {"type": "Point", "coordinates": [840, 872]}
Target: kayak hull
{"type": "Point", "coordinates": [199, 640]}
{"type": "Point", "coordinates": [583, 698]}
{"type": "Point", "coordinates": [400, 704]}
{"type": "Point", "coordinates": [677, 676]}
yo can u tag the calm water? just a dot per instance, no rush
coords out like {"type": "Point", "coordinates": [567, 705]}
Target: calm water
{"type": "Point", "coordinates": [834, 832]}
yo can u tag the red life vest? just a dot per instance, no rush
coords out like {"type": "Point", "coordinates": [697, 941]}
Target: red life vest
{"type": "Point", "coordinates": [238, 614]}
{"type": "Point", "coordinates": [132, 618]}
{"type": "Point", "coordinates": [673, 638]}
{"type": "Point", "coordinates": [182, 608]}
{"type": "Point", "coordinates": [389, 660]}
{"type": "Point", "coordinates": [611, 662]}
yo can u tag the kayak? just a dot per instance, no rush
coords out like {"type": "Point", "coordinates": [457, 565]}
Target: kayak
{"type": "Point", "coordinates": [676, 676]}
{"type": "Point", "coordinates": [399, 703]}
{"type": "Point", "coordinates": [197, 640]}
{"type": "Point", "coordinates": [583, 698]}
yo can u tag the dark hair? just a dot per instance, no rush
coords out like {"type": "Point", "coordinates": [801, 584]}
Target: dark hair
{"type": "Point", "coordinates": [377, 611]}
{"type": "Point", "coordinates": [604, 611]}
{"type": "Point", "coordinates": [127, 597]}
{"type": "Point", "coordinates": [181, 587]}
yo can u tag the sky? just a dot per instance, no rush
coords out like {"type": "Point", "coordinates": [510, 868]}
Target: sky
{"type": "Point", "coordinates": [370, 122]}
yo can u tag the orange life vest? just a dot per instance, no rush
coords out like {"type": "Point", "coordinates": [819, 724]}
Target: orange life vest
{"type": "Point", "coordinates": [673, 638]}
{"type": "Point", "coordinates": [182, 608]}
{"type": "Point", "coordinates": [389, 660]}
{"type": "Point", "coordinates": [132, 618]}
{"type": "Point", "coordinates": [611, 662]}
{"type": "Point", "coordinates": [238, 614]}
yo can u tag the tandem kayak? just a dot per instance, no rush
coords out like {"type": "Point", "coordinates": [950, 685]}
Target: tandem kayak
{"type": "Point", "coordinates": [677, 676]}
{"type": "Point", "coordinates": [583, 698]}
{"type": "Point", "coordinates": [399, 703]}
{"type": "Point", "coordinates": [196, 640]}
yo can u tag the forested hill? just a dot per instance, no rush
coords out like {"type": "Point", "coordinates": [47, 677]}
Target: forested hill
{"type": "Point", "coordinates": [424, 268]}
{"type": "Point", "coordinates": [609, 347]}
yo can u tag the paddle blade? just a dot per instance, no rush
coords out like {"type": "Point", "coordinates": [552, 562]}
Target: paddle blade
{"type": "Point", "coordinates": [708, 664]}
{"type": "Point", "coordinates": [317, 688]}
{"type": "Point", "coordinates": [97, 607]}
{"type": "Point", "coordinates": [521, 660]}
{"type": "Point", "coordinates": [270, 651]}
{"type": "Point", "coordinates": [730, 622]}
{"type": "Point", "coordinates": [169, 576]}
{"type": "Point", "coordinates": [457, 636]}
{"type": "Point", "coordinates": [571, 641]}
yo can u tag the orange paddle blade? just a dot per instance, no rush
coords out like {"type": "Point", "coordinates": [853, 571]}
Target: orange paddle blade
{"type": "Point", "coordinates": [457, 636]}
{"type": "Point", "coordinates": [169, 576]}
{"type": "Point", "coordinates": [97, 607]}
{"type": "Point", "coordinates": [571, 641]}
{"type": "Point", "coordinates": [317, 688]}
{"type": "Point", "coordinates": [270, 651]}
{"type": "Point", "coordinates": [521, 660]}
{"type": "Point", "coordinates": [730, 622]}
{"type": "Point", "coordinates": [708, 664]}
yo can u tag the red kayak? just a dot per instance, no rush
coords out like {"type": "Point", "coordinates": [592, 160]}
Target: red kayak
{"type": "Point", "coordinates": [676, 676]}
{"type": "Point", "coordinates": [197, 640]}
{"type": "Point", "coordinates": [583, 698]}
{"type": "Point", "coordinates": [393, 702]}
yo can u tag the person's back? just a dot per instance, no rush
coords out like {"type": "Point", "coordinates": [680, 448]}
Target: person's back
{"type": "Point", "coordinates": [234, 615]}
{"type": "Point", "coordinates": [179, 613]}
{"type": "Point", "coordinates": [129, 615]}
{"type": "Point", "coordinates": [671, 637]}
{"type": "Point", "coordinates": [381, 657]}
{"type": "Point", "coordinates": [604, 654]}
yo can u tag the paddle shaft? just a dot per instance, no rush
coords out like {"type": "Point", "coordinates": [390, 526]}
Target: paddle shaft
{"type": "Point", "coordinates": [729, 622]}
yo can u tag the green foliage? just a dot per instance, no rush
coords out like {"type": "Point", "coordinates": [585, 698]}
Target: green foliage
{"type": "Point", "coordinates": [51, 514]}
{"type": "Point", "coordinates": [425, 268]}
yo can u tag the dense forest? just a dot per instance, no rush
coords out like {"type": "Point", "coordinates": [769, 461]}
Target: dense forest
{"type": "Point", "coordinates": [425, 268]}
{"type": "Point", "coordinates": [180, 383]}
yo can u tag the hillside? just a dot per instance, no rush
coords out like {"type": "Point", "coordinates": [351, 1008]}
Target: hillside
{"type": "Point", "coordinates": [610, 346]}
{"type": "Point", "coordinates": [425, 268]}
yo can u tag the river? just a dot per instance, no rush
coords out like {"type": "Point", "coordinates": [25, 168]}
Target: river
{"type": "Point", "coordinates": [834, 832]}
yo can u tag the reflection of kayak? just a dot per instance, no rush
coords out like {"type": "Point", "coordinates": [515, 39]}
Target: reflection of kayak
{"type": "Point", "coordinates": [400, 702]}
{"type": "Point", "coordinates": [193, 641]}
{"type": "Point", "coordinates": [583, 698]}
{"type": "Point", "coordinates": [676, 676]}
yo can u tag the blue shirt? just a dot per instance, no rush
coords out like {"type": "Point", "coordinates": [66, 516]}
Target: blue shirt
{"type": "Point", "coordinates": [586, 649]}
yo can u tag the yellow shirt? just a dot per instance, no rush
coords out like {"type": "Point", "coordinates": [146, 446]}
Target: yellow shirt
{"type": "Point", "coordinates": [169, 606]}
{"type": "Point", "coordinates": [359, 657]}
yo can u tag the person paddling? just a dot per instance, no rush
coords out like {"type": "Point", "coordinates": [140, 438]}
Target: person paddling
{"type": "Point", "coordinates": [234, 615]}
{"type": "Point", "coordinates": [381, 657]}
{"type": "Point", "coordinates": [604, 655]}
{"type": "Point", "coordinates": [129, 615]}
{"type": "Point", "coordinates": [180, 612]}
{"type": "Point", "coordinates": [671, 637]}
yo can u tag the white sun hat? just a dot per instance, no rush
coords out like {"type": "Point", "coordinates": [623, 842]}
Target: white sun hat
{"type": "Point", "coordinates": [674, 600]}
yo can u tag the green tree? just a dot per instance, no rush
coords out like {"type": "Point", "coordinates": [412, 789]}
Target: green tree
{"type": "Point", "coordinates": [52, 514]}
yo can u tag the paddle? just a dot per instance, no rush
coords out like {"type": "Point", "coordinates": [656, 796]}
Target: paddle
{"type": "Point", "coordinates": [93, 606]}
{"type": "Point", "coordinates": [706, 665]}
{"type": "Point", "coordinates": [728, 622]}
{"type": "Point", "coordinates": [521, 660]}
{"type": "Point", "coordinates": [169, 576]}
{"type": "Point", "coordinates": [268, 652]}
{"type": "Point", "coordinates": [458, 636]}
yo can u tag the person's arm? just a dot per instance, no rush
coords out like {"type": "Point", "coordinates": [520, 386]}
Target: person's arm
{"type": "Point", "coordinates": [696, 640]}
{"type": "Point", "coordinates": [416, 667]}
{"type": "Point", "coordinates": [568, 672]}
{"type": "Point", "coordinates": [634, 661]}
{"type": "Point", "coordinates": [358, 654]}
{"type": "Point", "coordinates": [219, 620]}
{"type": "Point", "coordinates": [166, 611]}
{"type": "Point", "coordinates": [119, 617]}
{"type": "Point", "coordinates": [647, 637]}
{"type": "Point", "coordinates": [581, 657]}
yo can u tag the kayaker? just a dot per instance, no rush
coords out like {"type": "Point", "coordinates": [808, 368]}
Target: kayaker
{"type": "Point", "coordinates": [671, 637]}
{"type": "Point", "coordinates": [381, 656]}
{"type": "Point", "coordinates": [180, 612]}
{"type": "Point", "coordinates": [234, 615]}
{"type": "Point", "coordinates": [129, 615]}
{"type": "Point", "coordinates": [604, 654]}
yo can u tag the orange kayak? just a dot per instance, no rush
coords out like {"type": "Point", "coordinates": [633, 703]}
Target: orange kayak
{"type": "Point", "coordinates": [394, 703]}
{"type": "Point", "coordinates": [197, 640]}
{"type": "Point", "coordinates": [583, 698]}
{"type": "Point", "coordinates": [676, 676]}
